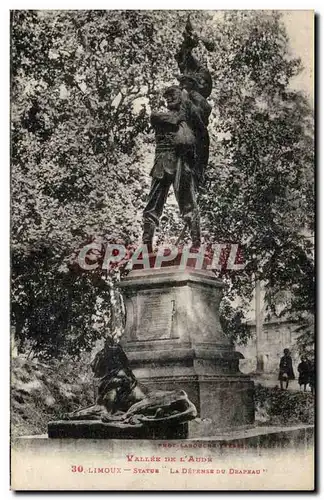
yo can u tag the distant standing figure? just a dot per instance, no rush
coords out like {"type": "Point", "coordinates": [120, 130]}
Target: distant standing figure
{"type": "Point", "coordinates": [304, 372]}
{"type": "Point", "coordinates": [286, 371]}
{"type": "Point", "coordinates": [312, 376]}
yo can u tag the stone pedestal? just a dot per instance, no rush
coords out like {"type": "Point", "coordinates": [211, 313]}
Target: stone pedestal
{"type": "Point", "coordinates": [91, 429]}
{"type": "Point", "coordinates": [174, 340]}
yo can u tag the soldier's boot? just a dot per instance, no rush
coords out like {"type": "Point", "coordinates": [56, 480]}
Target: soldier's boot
{"type": "Point", "coordinates": [148, 233]}
{"type": "Point", "coordinates": [195, 233]}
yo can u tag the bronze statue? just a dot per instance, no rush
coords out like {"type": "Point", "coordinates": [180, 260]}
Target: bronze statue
{"type": "Point", "coordinates": [123, 402]}
{"type": "Point", "coordinates": [182, 142]}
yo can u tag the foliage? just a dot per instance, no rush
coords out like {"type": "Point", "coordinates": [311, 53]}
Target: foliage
{"type": "Point", "coordinates": [40, 393]}
{"type": "Point", "coordinates": [83, 85]}
{"type": "Point", "coordinates": [260, 186]}
{"type": "Point", "coordinates": [285, 407]}
{"type": "Point", "coordinates": [77, 146]}
{"type": "Point", "coordinates": [233, 323]}
{"type": "Point", "coordinates": [306, 338]}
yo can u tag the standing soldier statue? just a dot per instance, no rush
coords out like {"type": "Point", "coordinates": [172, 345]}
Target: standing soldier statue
{"type": "Point", "coordinates": [182, 142]}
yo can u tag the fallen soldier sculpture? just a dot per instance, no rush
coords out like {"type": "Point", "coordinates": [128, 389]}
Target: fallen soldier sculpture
{"type": "Point", "coordinates": [124, 403]}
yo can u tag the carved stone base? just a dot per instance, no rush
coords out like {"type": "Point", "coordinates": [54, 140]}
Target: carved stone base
{"type": "Point", "coordinates": [226, 402]}
{"type": "Point", "coordinates": [174, 340]}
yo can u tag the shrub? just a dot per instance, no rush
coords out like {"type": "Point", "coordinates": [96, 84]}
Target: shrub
{"type": "Point", "coordinates": [284, 407]}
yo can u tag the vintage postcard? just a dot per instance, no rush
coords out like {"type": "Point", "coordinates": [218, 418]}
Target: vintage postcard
{"type": "Point", "coordinates": [162, 250]}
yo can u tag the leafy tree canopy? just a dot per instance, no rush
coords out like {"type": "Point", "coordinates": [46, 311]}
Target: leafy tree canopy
{"type": "Point", "coordinates": [83, 84]}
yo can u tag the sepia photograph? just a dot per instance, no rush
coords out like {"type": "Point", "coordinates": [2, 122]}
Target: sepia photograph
{"type": "Point", "coordinates": [162, 254]}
